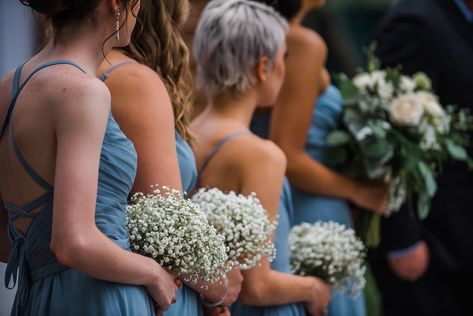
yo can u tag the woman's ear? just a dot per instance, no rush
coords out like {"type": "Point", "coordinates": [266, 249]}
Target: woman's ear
{"type": "Point", "coordinates": [262, 69]}
{"type": "Point", "coordinates": [114, 5]}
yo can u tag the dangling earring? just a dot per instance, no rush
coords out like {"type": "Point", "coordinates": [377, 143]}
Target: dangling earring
{"type": "Point", "coordinates": [117, 25]}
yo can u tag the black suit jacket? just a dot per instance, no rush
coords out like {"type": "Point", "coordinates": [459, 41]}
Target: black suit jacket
{"type": "Point", "coordinates": [434, 37]}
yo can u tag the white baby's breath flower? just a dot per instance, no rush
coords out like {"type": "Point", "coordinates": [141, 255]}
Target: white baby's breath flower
{"type": "Point", "coordinates": [173, 231]}
{"type": "Point", "coordinates": [243, 222]}
{"type": "Point", "coordinates": [406, 110]}
{"type": "Point", "coordinates": [330, 251]}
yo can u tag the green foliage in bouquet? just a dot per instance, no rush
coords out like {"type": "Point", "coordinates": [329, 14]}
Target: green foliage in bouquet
{"type": "Point", "coordinates": [394, 129]}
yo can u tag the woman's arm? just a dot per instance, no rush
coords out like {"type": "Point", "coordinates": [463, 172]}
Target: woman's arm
{"type": "Point", "coordinates": [262, 172]}
{"type": "Point", "coordinates": [4, 240]}
{"type": "Point", "coordinates": [292, 116]}
{"type": "Point", "coordinates": [142, 108]}
{"type": "Point", "coordinates": [79, 121]}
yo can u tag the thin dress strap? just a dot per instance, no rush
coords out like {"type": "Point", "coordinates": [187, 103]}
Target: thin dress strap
{"type": "Point", "coordinates": [107, 73]}
{"type": "Point", "coordinates": [217, 149]}
{"type": "Point", "coordinates": [16, 89]}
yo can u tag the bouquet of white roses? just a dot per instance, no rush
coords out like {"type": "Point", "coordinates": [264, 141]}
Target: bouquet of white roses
{"type": "Point", "coordinates": [394, 129]}
{"type": "Point", "coordinates": [330, 251]}
{"type": "Point", "coordinates": [244, 223]}
{"type": "Point", "coordinates": [173, 231]}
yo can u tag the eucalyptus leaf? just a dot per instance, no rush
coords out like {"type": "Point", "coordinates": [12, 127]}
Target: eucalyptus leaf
{"type": "Point", "coordinates": [337, 138]}
{"type": "Point", "coordinates": [428, 177]}
{"type": "Point", "coordinates": [423, 206]}
{"type": "Point", "coordinates": [349, 92]}
{"type": "Point", "coordinates": [456, 151]}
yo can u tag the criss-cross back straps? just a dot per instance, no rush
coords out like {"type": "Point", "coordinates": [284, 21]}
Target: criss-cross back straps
{"type": "Point", "coordinates": [17, 88]}
{"type": "Point", "coordinates": [107, 73]}
{"type": "Point", "coordinates": [217, 149]}
{"type": "Point", "coordinates": [17, 265]}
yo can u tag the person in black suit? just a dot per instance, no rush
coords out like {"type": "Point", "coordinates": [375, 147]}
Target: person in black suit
{"type": "Point", "coordinates": [426, 267]}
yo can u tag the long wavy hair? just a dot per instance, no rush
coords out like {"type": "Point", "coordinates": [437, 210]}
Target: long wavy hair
{"type": "Point", "coordinates": [159, 45]}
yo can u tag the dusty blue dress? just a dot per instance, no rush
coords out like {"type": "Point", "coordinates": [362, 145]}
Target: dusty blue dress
{"type": "Point", "coordinates": [311, 207]}
{"type": "Point", "coordinates": [47, 288]}
{"type": "Point", "coordinates": [281, 262]}
{"type": "Point", "coordinates": [187, 300]}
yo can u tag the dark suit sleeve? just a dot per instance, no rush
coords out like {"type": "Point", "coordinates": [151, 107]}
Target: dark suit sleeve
{"type": "Point", "coordinates": [403, 40]}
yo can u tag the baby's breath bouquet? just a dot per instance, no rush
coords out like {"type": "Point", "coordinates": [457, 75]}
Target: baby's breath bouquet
{"type": "Point", "coordinates": [244, 223]}
{"type": "Point", "coordinates": [395, 130]}
{"type": "Point", "coordinates": [172, 230]}
{"type": "Point", "coordinates": [330, 251]}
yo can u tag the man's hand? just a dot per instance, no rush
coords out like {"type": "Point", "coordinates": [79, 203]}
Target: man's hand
{"type": "Point", "coordinates": [413, 265]}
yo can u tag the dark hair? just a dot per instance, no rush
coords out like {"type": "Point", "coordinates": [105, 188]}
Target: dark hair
{"type": "Point", "coordinates": [160, 46]}
{"type": "Point", "coordinates": [287, 8]}
{"type": "Point", "coordinates": [61, 12]}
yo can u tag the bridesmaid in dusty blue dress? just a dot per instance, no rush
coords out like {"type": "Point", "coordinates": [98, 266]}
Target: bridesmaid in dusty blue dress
{"type": "Point", "coordinates": [238, 70]}
{"type": "Point", "coordinates": [299, 126]}
{"type": "Point", "coordinates": [150, 88]}
{"type": "Point", "coordinates": [67, 170]}
{"type": "Point", "coordinates": [44, 285]}
{"type": "Point", "coordinates": [310, 207]}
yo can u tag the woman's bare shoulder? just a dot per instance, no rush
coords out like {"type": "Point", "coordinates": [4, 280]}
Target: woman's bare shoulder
{"type": "Point", "coordinates": [306, 41]}
{"type": "Point", "coordinates": [251, 151]}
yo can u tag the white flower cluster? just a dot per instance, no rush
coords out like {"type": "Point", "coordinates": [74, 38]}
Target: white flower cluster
{"type": "Point", "coordinates": [330, 251]}
{"type": "Point", "coordinates": [408, 103]}
{"type": "Point", "coordinates": [397, 196]}
{"type": "Point", "coordinates": [244, 223]}
{"type": "Point", "coordinates": [173, 231]}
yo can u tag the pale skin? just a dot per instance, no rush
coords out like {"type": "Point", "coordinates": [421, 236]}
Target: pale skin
{"type": "Point", "coordinates": [60, 122]}
{"type": "Point", "coordinates": [248, 164]}
{"type": "Point", "coordinates": [307, 50]}
{"type": "Point", "coordinates": [142, 107]}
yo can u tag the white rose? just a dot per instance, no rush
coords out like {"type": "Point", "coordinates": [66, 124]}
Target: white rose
{"type": "Point", "coordinates": [431, 104]}
{"type": "Point", "coordinates": [406, 110]}
{"type": "Point", "coordinates": [407, 84]}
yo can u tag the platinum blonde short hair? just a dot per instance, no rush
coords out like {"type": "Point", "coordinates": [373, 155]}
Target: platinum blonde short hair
{"type": "Point", "coordinates": [231, 37]}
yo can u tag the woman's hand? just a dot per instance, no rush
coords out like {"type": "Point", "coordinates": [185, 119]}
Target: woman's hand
{"type": "Point", "coordinates": [318, 305]}
{"type": "Point", "coordinates": [235, 279]}
{"type": "Point", "coordinates": [162, 289]}
{"type": "Point", "coordinates": [372, 196]}
{"type": "Point", "coordinates": [217, 311]}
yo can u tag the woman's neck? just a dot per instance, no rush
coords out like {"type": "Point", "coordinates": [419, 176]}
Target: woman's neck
{"type": "Point", "coordinates": [86, 48]}
{"type": "Point", "coordinates": [237, 109]}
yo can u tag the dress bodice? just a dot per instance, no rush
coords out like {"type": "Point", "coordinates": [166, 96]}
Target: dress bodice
{"type": "Point", "coordinates": [282, 262]}
{"type": "Point", "coordinates": [117, 171]}
{"type": "Point", "coordinates": [187, 164]}
{"type": "Point", "coordinates": [325, 118]}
